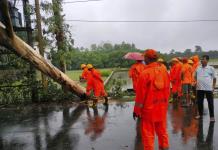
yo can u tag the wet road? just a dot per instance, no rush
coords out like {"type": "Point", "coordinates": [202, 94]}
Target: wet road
{"type": "Point", "coordinates": [52, 127]}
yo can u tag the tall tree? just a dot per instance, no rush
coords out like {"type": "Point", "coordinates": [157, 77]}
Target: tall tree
{"type": "Point", "coordinates": [58, 31]}
{"type": "Point", "coordinates": [40, 39]}
{"type": "Point", "coordinates": [27, 19]}
{"type": "Point", "coordinates": [198, 49]}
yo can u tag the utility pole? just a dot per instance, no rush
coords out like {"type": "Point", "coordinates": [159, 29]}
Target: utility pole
{"type": "Point", "coordinates": [40, 40]}
{"type": "Point", "coordinates": [27, 21]}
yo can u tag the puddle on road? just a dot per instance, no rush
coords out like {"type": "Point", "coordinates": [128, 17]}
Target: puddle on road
{"type": "Point", "coordinates": [104, 128]}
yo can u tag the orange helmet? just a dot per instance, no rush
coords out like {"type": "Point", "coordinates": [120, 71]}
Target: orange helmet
{"type": "Point", "coordinates": [150, 53]}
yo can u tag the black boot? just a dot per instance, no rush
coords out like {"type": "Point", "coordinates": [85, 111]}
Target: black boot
{"type": "Point", "coordinates": [106, 100]}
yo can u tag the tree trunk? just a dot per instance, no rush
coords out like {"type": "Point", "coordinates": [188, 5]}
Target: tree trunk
{"type": "Point", "coordinates": [40, 40]}
{"type": "Point", "coordinates": [27, 21]}
{"type": "Point", "coordinates": [59, 32]}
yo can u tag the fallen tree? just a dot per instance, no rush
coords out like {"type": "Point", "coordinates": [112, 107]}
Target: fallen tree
{"type": "Point", "coordinates": [11, 41]}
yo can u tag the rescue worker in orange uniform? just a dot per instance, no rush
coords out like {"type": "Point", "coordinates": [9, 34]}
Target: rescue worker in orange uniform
{"type": "Point", "coordinates": [196, 63]}
{"type": "Point", "coordinates": [193, 82]}
{"type": "Point", "coordinates": [135, 71]}
{"type": "Point", "coordinates": [175, 77]}
{"type": "Point", "coordinates": [85, 73]}
{"type": "Point", "coordinates": [180, 64]}
{"type": "Point", "coordinates": [96, 84]}
{"type": "Point", "coordinates": [186, 82]}
{"type": "Point", "coordinates": [151, 102]}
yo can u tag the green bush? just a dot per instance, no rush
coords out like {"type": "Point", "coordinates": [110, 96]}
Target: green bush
{"type": "Point", "coordinates": [105, 73]}
{"type": "Point", "coordinates": [116, 90]}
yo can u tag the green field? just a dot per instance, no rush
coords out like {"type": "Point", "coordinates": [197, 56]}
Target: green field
{"type": "Point", "coordinates": [214, 60]}
{"type": "Point", "coordinates": [74, 74]}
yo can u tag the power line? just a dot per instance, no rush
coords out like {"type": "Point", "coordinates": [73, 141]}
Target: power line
{"type": "Point", "coordinates": [70, 2]}
{"type": "Point", "coordinates": [143, 21]}
{"type": "Point", "coordinates": [67, 2]}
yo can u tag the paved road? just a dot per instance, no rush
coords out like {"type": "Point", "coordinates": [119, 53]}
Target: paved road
{"type": "Point", "coordinates": [52, 127]}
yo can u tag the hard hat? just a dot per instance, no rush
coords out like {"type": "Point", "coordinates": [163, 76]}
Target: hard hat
{"type": "Point", "coordinates": [190, 61]}
{"type": "Point", "coordinates": [160, 60]}
{"type": "Point", "coordinates": [175, 59]}
{"type": "Point", "coordinates": [150, 53]}
{"type": "Point", "coordinates": [82, 66]}
{"type": "Point", "coordinates": [89, 66]}
{"type": "Point", "coordinates": [195, 58]}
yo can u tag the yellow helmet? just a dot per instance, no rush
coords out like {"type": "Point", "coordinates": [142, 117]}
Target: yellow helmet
{"type": "Point", "coordinates": [82, 66]}
{"type": "Point", "coordinates": [89, 66]}
{"type": "Point", "coordinates": [160, 60]}
{"type": "Point", "coordinates": [175, 60]}
{"type": "Point", "coordinates": [190, 61]}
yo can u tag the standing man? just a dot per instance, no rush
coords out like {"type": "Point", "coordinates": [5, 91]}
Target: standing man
{"type": "Point", "coordinates": [175, 77]}
{"type": "Point", "coordinates": [206, 82]}
{"type": "Point", "coordinates": [151, 102]}
{"type": "Point", "coordinates": [186, 82]}
{"type": "Point", "coordinates": [135, 71]}
{"type": "Point", "coordinates": [195, 65]}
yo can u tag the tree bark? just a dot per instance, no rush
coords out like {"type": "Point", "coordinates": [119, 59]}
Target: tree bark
{"type": "Point", "coordinates": [59, 31]}
{"type": "Point", "coordinates": [27, 21]}
{"type": "Point", "coordinates": [40, 40]}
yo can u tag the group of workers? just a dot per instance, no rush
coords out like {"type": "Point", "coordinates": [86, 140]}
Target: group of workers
{"type": "Point", "coordinates": [187, 81]}
{"type": "Point", "coordinates": [153, 84]}
{"type": "Point", "coordinates": [94, 83]}
{"type": "Point", "coordinates": [182, 75]}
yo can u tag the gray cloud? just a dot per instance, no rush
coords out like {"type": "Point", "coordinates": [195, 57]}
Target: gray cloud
{"type": "Point", "coordinates": [162, 36]}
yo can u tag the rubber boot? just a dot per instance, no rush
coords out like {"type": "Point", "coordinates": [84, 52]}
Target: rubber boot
{"type": "Point", "coordinates": [106, 100]}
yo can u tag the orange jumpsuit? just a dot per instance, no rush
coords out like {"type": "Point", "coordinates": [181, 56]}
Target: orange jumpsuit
{"type": "Point", "coordinates": [96, 84]}
{"type": "Point", "coordinates": [151, 105]}
{"type": "Point", "coordinates": [175, 77]}
{"type": "Point", "coordinates": [194, 67]}
{"type": "Point", "coordinates": [134, 73]}
{"type": "Point", "coordinates": [187, 74]}
{"type": "Point", "coordinates": [85, 74]}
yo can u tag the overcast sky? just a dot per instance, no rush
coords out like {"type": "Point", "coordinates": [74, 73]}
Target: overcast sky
{"type": "Point", "coordinates": [160, 36]}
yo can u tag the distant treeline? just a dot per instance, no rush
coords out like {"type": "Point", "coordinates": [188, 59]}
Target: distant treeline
{"type": "Point", "coordinates": [107, 55]}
